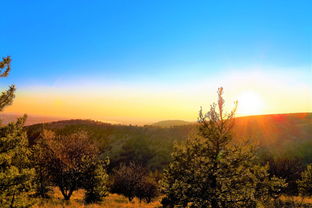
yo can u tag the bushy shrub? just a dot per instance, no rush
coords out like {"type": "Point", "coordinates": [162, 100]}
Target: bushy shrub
{"type": "Point", "coordinates": [305, 183]}
{"type": "Point", "coordinates": [133, 181]}
{"type": "Point", "coordinates": [96, 185]}
{"type": "Point", "coordinates": [147, 189]}
{"type": "Point", "coordinates": [72, 162]}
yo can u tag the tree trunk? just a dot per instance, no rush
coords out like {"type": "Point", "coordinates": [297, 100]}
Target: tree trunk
{"type": "Point", "coordinates": [66, 194]}
{"type": "Point", "coordinates": [214, 199]}
{"type": "Point", "coordinates": [12, 201]}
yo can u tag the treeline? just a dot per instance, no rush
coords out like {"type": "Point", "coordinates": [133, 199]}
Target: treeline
{"type": "Point", "coordinates": [279, 136]}
{"type": "Point", "coordinates": [208, 169]}
{"type": "Point", "coordinates": [148, 145]}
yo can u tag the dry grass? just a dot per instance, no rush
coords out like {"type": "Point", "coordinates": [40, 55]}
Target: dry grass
{"type": "Point", "coordinates": [118, 201]}
{"type": "Point", "coordinates": [299, 201]}
{"type": "Point", "coordinates": [111, 201]}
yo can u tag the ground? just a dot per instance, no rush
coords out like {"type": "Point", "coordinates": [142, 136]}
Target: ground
{"type": "Point", "coordinates": [118, 201]}
{"type": "Point", "coordinates": [76, 201]}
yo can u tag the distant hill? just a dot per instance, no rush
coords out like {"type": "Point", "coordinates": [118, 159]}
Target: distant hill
{"type": "Point", "coordinates": [31, 119]}
{"type": "Point", "coordinates": [265, 129]}
{"type": "Point", "coordinates": [275, 129]}
{"type": "Point", "coordinates": [171, 123]}
{"type": "Point", "coordinates": [152, 144]}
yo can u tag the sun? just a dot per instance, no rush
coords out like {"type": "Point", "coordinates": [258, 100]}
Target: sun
{"type": "Point", "coordinates": [250, 103]}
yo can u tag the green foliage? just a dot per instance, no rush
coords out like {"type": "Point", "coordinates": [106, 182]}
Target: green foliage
{"type": "Point", "coordinates": [121, 143]}
{"type": "Point", "coordinates": [96, 185]}
{"type": "Point", "coordinates": [287, 167]}
{"type": "Point", "coordinates": [42, 180]}
{"type": "Point", "coordinates": [15, 171]}
{"type": "Point", "coordinates": [287, 134]}
{"type": "Point", "coordinates": [147, 189]}
{"type": "Point", "coordinates": [72, 162]}
{"type": "Point", "coordinates": [15, 174]}
{"type": "Point", "coordinates": [6, 97]}
{"type": "Point", "coordinates": [136, 150]}
{"type": "Point", "coordinates": [305, 183]}
{"type": "Point", "coordinates": [211, 171]}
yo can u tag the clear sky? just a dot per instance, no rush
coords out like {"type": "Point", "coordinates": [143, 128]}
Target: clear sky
{"type": "Point", "coordinates": [144, 61]}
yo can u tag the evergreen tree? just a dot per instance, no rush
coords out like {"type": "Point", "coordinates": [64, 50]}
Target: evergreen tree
{"type": "Point", "coordinates": [305, 183]}
{"type": "Point", "coordinates": [96, 183]}
{"type": "Point", "coordinates": [40, 150]}
{"type": "Point", "coordinates": [211, 171]}
{"type": "Point", "coordinates": [15, 174]}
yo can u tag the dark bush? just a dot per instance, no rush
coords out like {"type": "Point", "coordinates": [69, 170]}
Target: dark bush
{"type": "Point", "coordinates": [133, 181]}
{"type": "Point", "coordinates": [147, 189]}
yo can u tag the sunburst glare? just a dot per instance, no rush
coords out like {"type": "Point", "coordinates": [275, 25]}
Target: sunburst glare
{"type": "Point", "coordinates": [250, 103]}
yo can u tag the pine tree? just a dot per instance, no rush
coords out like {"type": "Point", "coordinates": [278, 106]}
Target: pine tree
{"type": "Point", "coordinates": [305, 183]}
{"type": "Point", "coordinates": [42, 180]}
{"type": "Point", "coordinates": [211, 171]}
{"type": "Point", "coordinates": [96, 181]}
{"type": "Point", "coordinates": [15, 171]}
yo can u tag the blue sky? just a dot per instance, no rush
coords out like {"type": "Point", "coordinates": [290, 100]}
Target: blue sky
{"type": "Point", "coordinates": [162, 42]}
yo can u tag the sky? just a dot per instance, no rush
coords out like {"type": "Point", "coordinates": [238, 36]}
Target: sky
{"type": "Point", "coordinates": [144, 61]}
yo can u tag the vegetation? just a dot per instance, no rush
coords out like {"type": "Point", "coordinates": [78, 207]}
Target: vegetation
{"type": "Point", "coordinates": [72, 162]}
{"type": "Point", "coordinates": [110, 201]}
{"type": "Point", "coordinates": [211, 171]}
{"type": "Point", "coordinates": [132, 180]}
{"type": "Point", "coordinates": [214, 168]}
{"type": "Point", "coordinates": [305, 183]}
{"type": "Point", "coordinates": [15, 172]}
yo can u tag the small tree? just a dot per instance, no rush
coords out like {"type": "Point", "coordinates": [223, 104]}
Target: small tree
{"type": "Point", "coordinates": [289, 168]}
{"type": "Point", "coordinates": [96, 185]}
{"type": "Point", "coordinates": [147, 189]}
{"type": "Point", "coordinates": [42, 179]}
{"type": "Point", "coordinates": [132, 181]}
{"type": "Point", "coordinates": [211, 171]}
{"type": "Point", "coordinates": [305, 183]}
{"type": "Point", "coordinates": [72, 162]}
{"type": "Point", "coordinates": [15, 172]}
{"type": "Point", "coordinates": [126, 178]}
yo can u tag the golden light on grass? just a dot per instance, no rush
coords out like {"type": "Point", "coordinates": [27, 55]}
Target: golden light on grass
{"type": "Point", "coordinates": [76, 201]}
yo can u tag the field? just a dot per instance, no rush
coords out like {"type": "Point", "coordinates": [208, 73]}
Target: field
{"type": "Point", "coordinates": [111, 201]}
{"type": "Point", "coordinates": [118, 201]}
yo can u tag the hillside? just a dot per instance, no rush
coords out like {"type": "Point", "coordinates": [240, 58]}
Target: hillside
{"type": "Point", "coordinates": [171, 123]}
{"type": "Point", "coordinates": [31, 119]}
{"type": "Point", "coordinates": [151, 145]}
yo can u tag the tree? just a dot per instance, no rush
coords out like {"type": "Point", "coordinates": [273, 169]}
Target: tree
{"type": "Point", "coordinates": [15, 172]}
{"type": "Point", "coordinates": [72, 162]}
{"type": "Point", "coordinates": [96, 185]}
{"type": "Point", "coordinates": [305, 183]}
{"type": "Point", "coordinates": [42, 180]}
{"type": "Point", "coordinates": [289, 168]}
{"type": "Point", "coordinates": [212, 171]}
{"type": "Point", "coordinates": [6, 97]}
{"type": "Point", "coordinates": [136, 150]}
{"type": "Point", "coordinates": [132, 181]}
{"type": "Point", "coordinates": [126, 178]}
{"type": "Point", "coordinates": [147, 189]}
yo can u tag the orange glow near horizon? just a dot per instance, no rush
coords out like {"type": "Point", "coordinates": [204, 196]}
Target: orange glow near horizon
{"type": "Point", "coordinates": [147, 103]}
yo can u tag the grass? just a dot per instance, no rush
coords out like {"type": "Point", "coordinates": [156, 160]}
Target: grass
{"type": "Point", "coordinates": [76, 201]}
{"type": "Point", "coordinates": [298, 201]}
{"type": "Point", "coordinates": [119, 201]}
